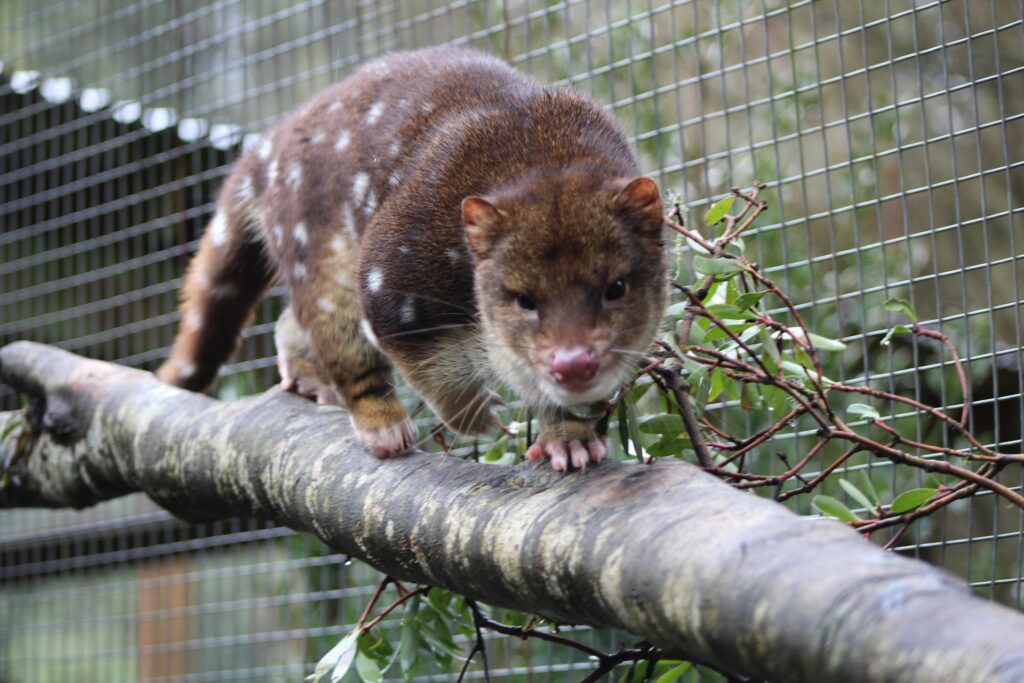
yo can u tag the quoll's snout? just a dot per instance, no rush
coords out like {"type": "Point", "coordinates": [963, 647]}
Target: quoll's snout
{"type": "Point", "coordinates": [573, 366]}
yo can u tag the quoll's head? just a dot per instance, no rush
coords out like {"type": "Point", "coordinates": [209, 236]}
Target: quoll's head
{"type": "Point", "coordinates": [571, 279]}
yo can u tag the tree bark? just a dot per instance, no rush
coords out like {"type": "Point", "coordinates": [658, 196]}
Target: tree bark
{"type": "Point", "coordinates": [664, 551]}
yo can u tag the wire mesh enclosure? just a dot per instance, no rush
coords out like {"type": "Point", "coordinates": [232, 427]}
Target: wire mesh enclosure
{"type": "Point", "coordinates": [890, 135]}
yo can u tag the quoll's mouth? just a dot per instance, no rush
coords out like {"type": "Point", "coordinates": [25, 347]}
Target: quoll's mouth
{"type": "Point", "coordinates": [598, 388]}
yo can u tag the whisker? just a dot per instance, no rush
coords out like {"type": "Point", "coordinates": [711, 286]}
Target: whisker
{"type": "Point", "coordinates": [421, 330]}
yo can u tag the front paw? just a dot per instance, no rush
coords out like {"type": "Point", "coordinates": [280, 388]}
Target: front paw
{"type": "Point", "coordinates": [389, 440]}
{"type": "Point", "coordinates": [564, 451]}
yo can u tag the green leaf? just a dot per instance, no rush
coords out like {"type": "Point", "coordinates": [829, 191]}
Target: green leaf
{"type": "Point", "coordinates": [803, 372]}
{"type": "Point", "coordinates": [718, 210]}
{"type": "Point", "coordinates": [727, 311]}
{"type": "Point", "coordinates": [674, 673]}
{"type": "Point", "coordinates": [717, 384]}
{"type": "Point", "coordinates": [732, 388]}
{"type": "Point", "coordinates": [698, 336]}
{"type": "Point", "coordinates": [668, 446]}
{"type": "Point", "coordinates": [770, 348]}
{"type": "Point", "coordinates": [863, 410]}
{"type": "Point", "coordinates": [408, 647]}
{"type": "Point", "coordinates": [855, 493]}
{"type": "Point", "coordinates": [632, 423]}
{"type": "Point", "coordinates": [439, 599]}
{"type": "Point", "coordinates": [496, 451]}
{"type": "Point", "coordinates": [640, 388]}
{"type": "Point", "coordinates": [676, 310]}
{"type": "Point", "coordinates": [833, 508]}
{"type": "Point", "coordinates": [696, 246]}
{"type": "Point", "coordinates": [623, 424]}
{"type": "Point", "coordinates": [717, 266]}
{"type": "Point", "coordinates": [912, 499]}
{"type": "Point", "coordinates": [865, 485]}
{"type": "Point", "coordinates": [368, 669]}
{"type": "Point", "coordinates": [816, 340]}
{"type": "Point", "coordinates": [779, 401]}
{"type": "Point", "coordinates": [896, 329]}
{"type": "Point", "coordinates": [824, 343]}
{"type": "Point", "coordinates": [901, 306]}
{"type": "Point", "coordinates": [667, 423]}
{"type": "Point", "coordinates": [748, 299]}
{"type": "Point", "coordinates": [717, 333]}
{"type": "Point", "coordinates": [751, 398]}
{"type": "Point", "coordinates": [439, 636]}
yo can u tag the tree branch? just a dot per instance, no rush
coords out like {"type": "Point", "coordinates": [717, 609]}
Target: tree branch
{"type": "Point", "coordinates": [664, 551]}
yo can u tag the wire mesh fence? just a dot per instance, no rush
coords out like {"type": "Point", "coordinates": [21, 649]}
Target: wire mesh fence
{"type": "Point", "coordinates": [890, 135]}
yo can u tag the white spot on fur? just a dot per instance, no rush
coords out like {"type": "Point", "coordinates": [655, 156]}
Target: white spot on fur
{"type": "Point", "coordinates": [335, 106]}
{"type": "Point", "coordinates": [453, 255]}
{"type": "Point", "coordinates": [266, 149]}
{"type": "Point", "coordinates": [407, 313]}
{"type": "Point", "coordinates": [394, 148]}
{"type": "Point", "coordinates": [403, 249]}
{"type": "Point", "coordinates": [343, 278]}
{"type": "Point", "coordinates": [271, 172]}
{"type": "Point", "coordinates": [317, 137]}
{"type": "Point", "coordinates": [394, 178]}
{"type": "Point", "coordinates": [299, 233]}
{"type": "Point", "coordinates": [364, 325]}
{"type": "Point", "coordinates": [359, 185]}
{"type": "Point", "coordinates": [245, 188]}
{"type": "Point", "coordinates": [348, 221]}
{"type": "Point", "coordinates": [374, 112]}
{"type": "Point", "coordinates": [374, 279]}
{"type": "Point", "coordinates": [219, 229]}
{"type": "Point", "coordinates": [186, 370]}
{"type": "Point", "coordinates": [371, 204]}
{"type": "Point", "coordinates": [294, 176]}
{"type": "Point", "coordinates": [277, 233]}
{"type": "Point", "coordinates": [299, 271]}
{"type": "Point", "coordinates": [343, 139]}
{"type": "Point", "coordinates": [427, 107]}
{"type": "Point", "coordinates": [338, 243]}
{"type": "Point", "coordinates": [224, 292]}
{"type": "Point", "coordinates": [193, 321]}
{"type": "Point", "coordinates": [325, 304]}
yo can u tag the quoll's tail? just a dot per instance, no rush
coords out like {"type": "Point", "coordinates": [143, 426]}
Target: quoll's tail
{"type": "Point", "coordinates": [222, 285]}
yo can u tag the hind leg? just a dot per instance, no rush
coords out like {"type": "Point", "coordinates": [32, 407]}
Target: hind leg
{"type": "Point", "coordinates": [327, 308]}
{"type": "Point", "coordinates": [222, 285]}
{"type": "Point", "coordinates": [299, 367]}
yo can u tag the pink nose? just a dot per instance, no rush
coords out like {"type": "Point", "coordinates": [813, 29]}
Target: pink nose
{"type": "Point", "coordinates": [573, 365]}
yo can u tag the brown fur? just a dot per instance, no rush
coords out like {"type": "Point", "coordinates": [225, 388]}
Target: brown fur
{"type": "Point", "coordinates": [359, 199]}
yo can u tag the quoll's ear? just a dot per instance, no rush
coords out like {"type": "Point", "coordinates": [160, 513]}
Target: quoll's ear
{"type": "Point", "coordinates": [483, 223]}
{"type": "Point", "coordinates": [640, 201]}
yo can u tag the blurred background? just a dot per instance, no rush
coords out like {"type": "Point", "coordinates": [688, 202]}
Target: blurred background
{"type": "Point", "coordinates": [890, 134]}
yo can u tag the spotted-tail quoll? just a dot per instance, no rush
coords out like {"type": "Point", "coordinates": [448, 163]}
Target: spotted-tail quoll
{"type": "Point", "coordinates": [441, 213]}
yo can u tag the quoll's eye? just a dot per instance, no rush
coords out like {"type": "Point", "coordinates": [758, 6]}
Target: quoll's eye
{"type": "Point", "coordinates": [616, 290]}
{"type": "Point", "coordinates": [526, 303]}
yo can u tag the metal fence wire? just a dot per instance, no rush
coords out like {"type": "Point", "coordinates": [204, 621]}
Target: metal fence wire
{"type": "Point", "coordinates": [890, 134]}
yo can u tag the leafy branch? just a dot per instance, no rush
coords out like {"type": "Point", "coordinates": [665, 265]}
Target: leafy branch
{"type": "Point", "coordinates": [727, 342]}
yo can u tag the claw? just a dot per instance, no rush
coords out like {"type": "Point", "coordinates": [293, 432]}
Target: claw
{"type": "Point", "coordinates": [578, 453]}
{"type": "Point", "coordinates": [389, 441]}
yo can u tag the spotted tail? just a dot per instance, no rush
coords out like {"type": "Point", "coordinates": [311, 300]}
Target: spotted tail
{"type": "Point", "coordinates": [224, 281]}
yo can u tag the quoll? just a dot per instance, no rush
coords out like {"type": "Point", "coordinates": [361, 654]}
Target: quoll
{"type": "Point", "coordinates": [440, 213]}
